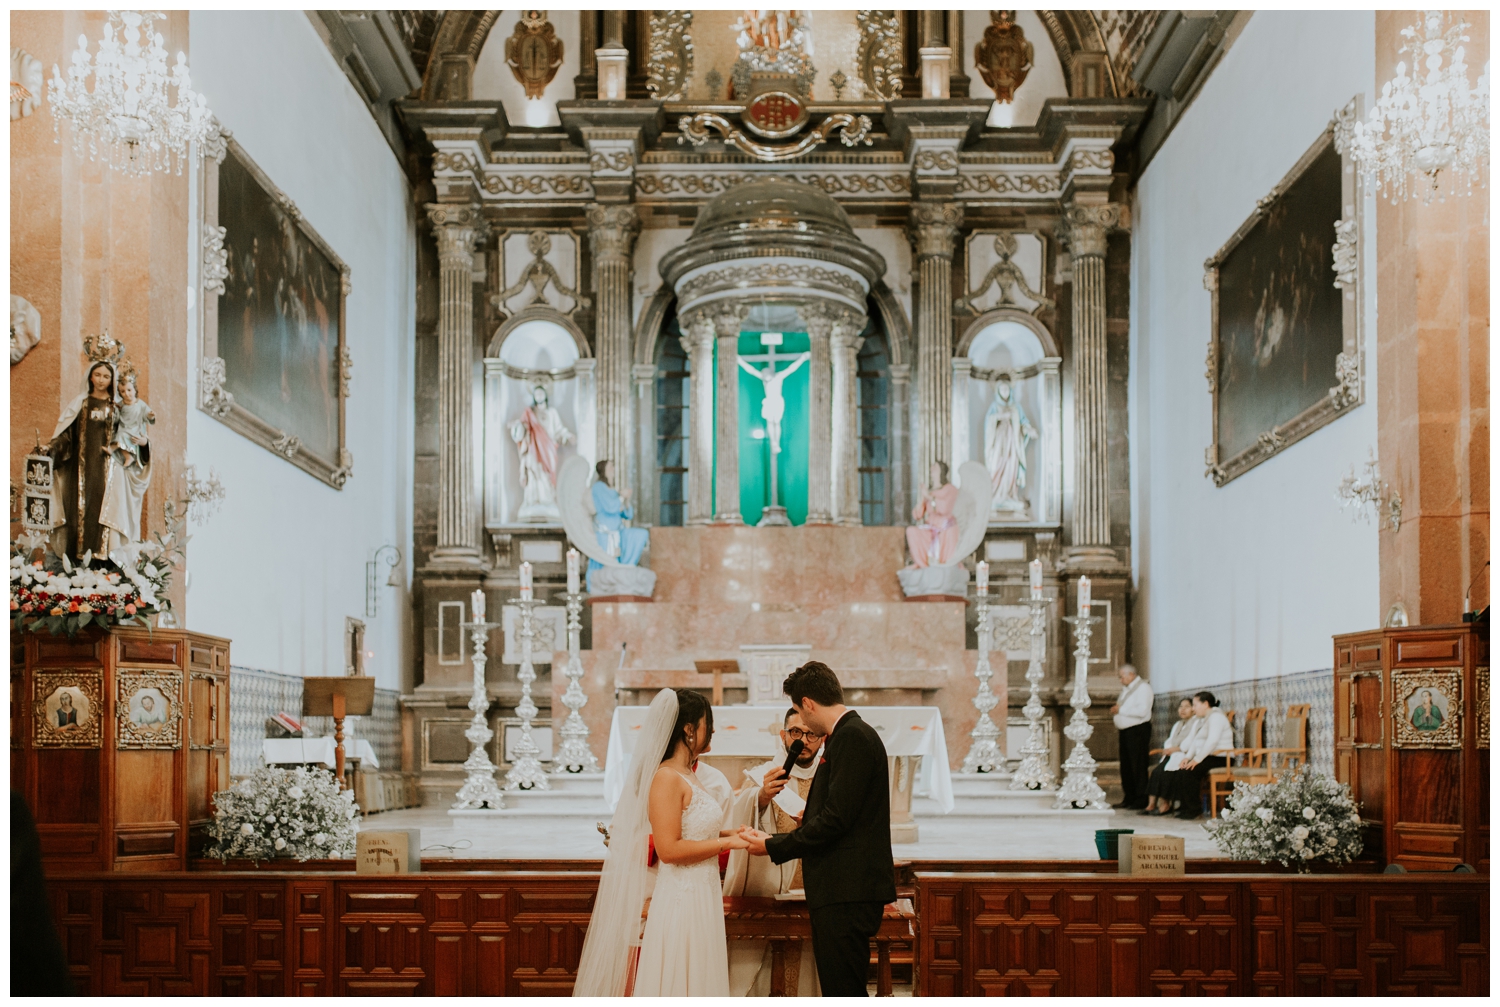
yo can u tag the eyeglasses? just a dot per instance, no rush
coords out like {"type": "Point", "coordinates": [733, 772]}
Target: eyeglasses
{"type": "Point", "coordinates": [798, 734]}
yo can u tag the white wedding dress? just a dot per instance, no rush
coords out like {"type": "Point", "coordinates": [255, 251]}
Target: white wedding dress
{"type": "Point", "coordinates": [683, 951]}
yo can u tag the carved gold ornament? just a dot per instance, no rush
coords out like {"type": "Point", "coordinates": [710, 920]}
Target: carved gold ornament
{"type": "Point", "coordinates": [880, 53]}
{"type": "Point", "coordinates": [1428, 708]}
{"type": "Point", "coordinates": [669, 60]}
{"type": "Point", "coordinates": [1482, 680]}
{"type": "Point", "coordinates": [534, 52]}
{"type": "Point", "coordinates": [855, 130]}
{"type": "Point", "coordinates": [148, 709]}
{"type": "Point", "coordinates": [1003, 57]}
{"type": "Point", "coordinates": [66, 709]}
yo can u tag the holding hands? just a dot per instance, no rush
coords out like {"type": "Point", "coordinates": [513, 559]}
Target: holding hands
{"type": "Point", "coordinates": [755, 840]}
{"type": "Point", "coordinates": [729, 840]}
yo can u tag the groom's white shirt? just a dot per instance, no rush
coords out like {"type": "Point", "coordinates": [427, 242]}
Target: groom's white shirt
{"type": "Point", "coordinates": [749, 961]}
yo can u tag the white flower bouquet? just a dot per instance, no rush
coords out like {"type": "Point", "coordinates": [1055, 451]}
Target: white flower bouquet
{"type": "Point", "coordinates": [1296, 821]}
{"type": "Point", "coordinates": [274, 813]}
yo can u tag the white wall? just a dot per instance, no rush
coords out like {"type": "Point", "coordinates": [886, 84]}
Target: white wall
{"type": "Point", "coordinates": [1252, 579]}
{"type": "Point", "coordinates": [283, 563]}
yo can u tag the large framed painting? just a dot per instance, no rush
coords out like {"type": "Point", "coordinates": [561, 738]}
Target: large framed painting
{"type": "Point", "coordinates": [1284, 352]}
{"type": "Point", "coordinates": [276, 362]}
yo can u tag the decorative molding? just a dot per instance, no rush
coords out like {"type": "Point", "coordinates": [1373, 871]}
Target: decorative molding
{"type": "Point", "coordinates": [934, 228]}
{"type": "Point", "coordinates": [853, 131]}
{"type": "Point", "coordinates": [89, 688]}
{"type": "Point", "coordinates": [1482, 682]}
{"type": "Point", "coordinates": [1087, 226]}
{"type": "Point", "coordinates": [619, 160]}
{"type": "Point", "coordinates": [669, 54]}
{"type": "Point", "coordinates": [612, 230]}
{"type": "Point", "coordinates": [1008, 277]}
{"type": "Point", "coordinates": [1409, 684]}
{"type": "Point", "coordinates": [537, 185]}
{"type": "Point", "coordinates": [213, 398]}
{"type": "Point", "coordinates": [346, 370]}
{"type": "Point", "coordinates": [534, 52]}
{"type": "Point", "coordinates": [131, 734]}
{"type": "Point", "coordinates": [712, 184]}
{"type": "Point", "coordinates": [880, 65]}
{"type": "Point", "coordinates": [287, 445]}
{"type": "Point", "coordinates": [763, 273]}
{"type": "Point", "coordinates": [1003, 57]}
{"type": "Point", "coordinates": [215, 268]}
{"type": "Point", "coordinates": [1346, 255]}
{"type": "Point", "coordinates": [1347, 392]}
{"type": "Point", "coordinates": [538, 274]}
{"type": "Point", "coordinates": [1000, 184]}
{"type": "Point", "coordinates": [1098, 160]}
{"type": "Point", "coordinates": [936, 160]}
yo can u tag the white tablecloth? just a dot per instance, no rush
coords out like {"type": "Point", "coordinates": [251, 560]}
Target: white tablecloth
{"type": "Point", "coordinates": [281, 751]}
{"type": "Point", "coordinates": [750, 731]}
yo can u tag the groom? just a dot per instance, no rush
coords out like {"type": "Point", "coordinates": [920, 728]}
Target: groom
{"type": "Point", "coordinates": [844, 841]}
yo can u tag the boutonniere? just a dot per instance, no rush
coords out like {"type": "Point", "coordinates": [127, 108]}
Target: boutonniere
{"type": "Point", "coordinates": [823, 760]}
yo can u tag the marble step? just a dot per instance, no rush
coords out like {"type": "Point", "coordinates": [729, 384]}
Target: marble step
{"type": "Point", "coordinates": [1006, 804]}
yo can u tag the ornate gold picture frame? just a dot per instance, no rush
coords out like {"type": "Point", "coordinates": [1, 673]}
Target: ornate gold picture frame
{"type": "Point", "coordinates": [1482, 683]}
{"type": "Point", "coordinates": [275, 363]}
{"type": "Point", "coordinates": [1428, 708]}
{"type": "Point", "coordinates": [67, 709]}
{"type": "Point", "coordinates": [148, 709]}
{"type": "Point", "coordinates": [1284, 354]}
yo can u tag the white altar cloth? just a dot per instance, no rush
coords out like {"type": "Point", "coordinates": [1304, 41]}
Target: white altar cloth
{"type": "Point", "coordinates": [281, 751]}
{"type": "Point", "coordinates": [748, 731]}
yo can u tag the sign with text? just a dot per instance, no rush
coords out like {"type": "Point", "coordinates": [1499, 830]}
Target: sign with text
{"type": "Point", "coordinates": [392, 851]}
{"type": "Point", "coordinates": [1152, 856]}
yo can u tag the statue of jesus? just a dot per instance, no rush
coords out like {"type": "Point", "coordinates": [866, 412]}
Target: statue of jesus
{"type": "Point", "coordinates": [538, 433]}
{"type": "Point", "coordinates": [773, 406]}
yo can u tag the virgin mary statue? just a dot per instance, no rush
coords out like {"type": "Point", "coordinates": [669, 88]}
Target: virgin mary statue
{"type": "Point", "coordinates": [538, 433]}
{"type": "Point", "coordinates": [1007, 432]}
{"type": "Point", "coordinates": [82, 450]}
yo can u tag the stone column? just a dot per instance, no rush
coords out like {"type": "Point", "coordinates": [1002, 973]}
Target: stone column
{"type": "Point", "coordinates": [934, 229]}
{"type": "Point", "coordinates": [647, 483]}
{"type": "Point", "coordinates": [819, 323]}
{"type": "Point", "coordinates": [899, 425]}
{"type": "Point", "coordinates": [844, 344]}
{"type": "Point", "coordinates": [1087, 229]}
{"type": "Point", "coordinates": [612, 231]}
{"type": "Point", "coordinates": [459, 228]}
{"type": "Point", "coordinates": [726, 457]}
{"type": "Point", "coordinates": [698, 344]}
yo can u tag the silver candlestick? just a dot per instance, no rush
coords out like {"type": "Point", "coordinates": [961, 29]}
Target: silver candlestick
{"type": "Point", "coordinates": [526, 769]}
{"type": "Point", "coordinates": [574, 756]}
{"type": "Point", "coordinates": [1080, 789]}
{"type": "Point", "coordinates": [984, 750]}
{"type": "Point", "coordinates": [480, 789]}
{"type": "Point", "coordinates": [1035, 770]}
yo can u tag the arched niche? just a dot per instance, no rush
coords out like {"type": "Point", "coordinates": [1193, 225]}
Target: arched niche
{"type": "Point", "coordinates": [534, 348]}
{"type": "Point", "coordinates": [1011, 346]}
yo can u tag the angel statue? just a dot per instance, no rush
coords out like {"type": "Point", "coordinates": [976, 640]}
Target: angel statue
{"type": "Point", "coordinates": [538, 433]}
{"type": "Point", "coordinates": [595, 515]}
{"type": "Point", "coordinates": [1007, 433]}
{"type": "Point", "coordinates": [953, 522]}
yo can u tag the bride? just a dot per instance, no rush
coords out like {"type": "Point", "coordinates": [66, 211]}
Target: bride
{"type": "Point", "coordinates": [680, 948]}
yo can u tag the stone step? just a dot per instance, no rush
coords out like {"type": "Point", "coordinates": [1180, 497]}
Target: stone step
{"type": "Point", "coordinates": [1007, 804]}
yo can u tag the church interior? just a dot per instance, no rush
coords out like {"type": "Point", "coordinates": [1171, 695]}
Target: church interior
{"type": "Point", "coordinates": [401, 400]}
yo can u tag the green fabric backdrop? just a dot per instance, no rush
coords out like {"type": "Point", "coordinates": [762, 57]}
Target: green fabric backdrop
{"type": "Point", "coordinates": [755, 452]}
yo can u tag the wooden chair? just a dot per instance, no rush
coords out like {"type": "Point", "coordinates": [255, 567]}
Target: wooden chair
{"type": "Point", "coordinates": [1251, 758]}
{"type": "Point", "coordinates": [1271, 763]}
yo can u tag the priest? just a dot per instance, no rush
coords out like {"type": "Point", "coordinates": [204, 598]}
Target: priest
{"type": "Point", "coordinates": [772, 801]}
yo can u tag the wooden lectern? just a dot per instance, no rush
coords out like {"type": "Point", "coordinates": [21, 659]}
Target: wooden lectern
{"type": "Point", "coordinates": [718, 669]}
{"type": "Point", "coordinates": [345, 696]}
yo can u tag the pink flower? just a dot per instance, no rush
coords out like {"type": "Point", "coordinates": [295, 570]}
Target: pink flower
{"type": "Point", "coordinates": [130, 610]}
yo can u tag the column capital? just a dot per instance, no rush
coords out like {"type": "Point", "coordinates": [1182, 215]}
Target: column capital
{"type": "Point", "coordinates": [459, 228]}
{"type": "Point", "coordinates": [643, 373]}
{"type": "Point", "coordinates": [612, 229]}
{"type": "Point", "coordinates": [933, 229]}
{"type": "Point", "coordinates": [727, 318]}
{"type": "Point", "coordinates": [697, 330]}
{"type": "Point", "coordinates": [1086, 227]}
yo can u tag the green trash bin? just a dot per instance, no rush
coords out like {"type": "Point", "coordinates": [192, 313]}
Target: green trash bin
{"type": "Point", "coordinates": [1107, 842]}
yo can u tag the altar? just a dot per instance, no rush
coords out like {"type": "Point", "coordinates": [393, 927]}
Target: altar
{"type": "Point", "coordinates": [746, 735]}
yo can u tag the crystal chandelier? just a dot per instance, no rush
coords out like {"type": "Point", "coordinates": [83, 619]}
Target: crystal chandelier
{"type": "Point", "coordinates": [127, 120]}
{"type": "Point", "coordinates": [1429, 121]}
{"type": "Point", "coordinates": [1370, 498]}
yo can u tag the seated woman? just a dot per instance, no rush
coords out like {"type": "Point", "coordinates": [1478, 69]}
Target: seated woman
{"type": "Point", "coordinates": [933, 542]}
{"type": "Point", "coordinates": [1213, 735]}
{"type": "Point", "coordinates": [611, 511]}
{"type": "Point", "coordinates": [1171, 758]}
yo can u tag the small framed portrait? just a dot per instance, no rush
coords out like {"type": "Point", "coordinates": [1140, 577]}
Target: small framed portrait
{"type": "Point", "coordinates": [36, 511]}
{"type": "Point", "coordinates": [66, 707]}
{"type": "Point", "coordinates": [1429, 708]}
{"type": "Point", "coordinates": [39, 472]}
{"type": "Point", "coordinates": [148, 709]}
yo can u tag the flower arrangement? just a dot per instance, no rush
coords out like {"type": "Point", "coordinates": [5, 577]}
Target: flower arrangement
{"type": "Point", "coordinates": [55, 595]}
{"type": "Point", "coordinates": [274, 813]}
{"type": "Point", "coordinates": [1298, 819]}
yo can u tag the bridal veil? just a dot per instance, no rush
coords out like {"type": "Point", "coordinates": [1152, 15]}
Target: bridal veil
{"type": "Point", "coordinates": [614, 932]}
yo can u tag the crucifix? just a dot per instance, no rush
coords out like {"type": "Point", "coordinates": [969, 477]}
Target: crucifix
{"type": "Point", "coordinates": [773, 409]}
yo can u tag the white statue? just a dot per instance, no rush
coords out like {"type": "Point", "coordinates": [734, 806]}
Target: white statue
{"type": "Point", "coordinates": [593, 515]}
{"type": "Point", "coordinates": [25, 328]}
{"type": "Point", "coordinates": [130, 465]}
{"type": "Point", "coordinates": [773, 406]}
{"type": "Point", "coordinates": [1007, 432]}
{"type": "Point", "coordinates": [538, 434]}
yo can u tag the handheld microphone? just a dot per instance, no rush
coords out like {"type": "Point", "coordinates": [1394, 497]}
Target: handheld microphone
{"type": "Point", "coordinates": [794, 750]}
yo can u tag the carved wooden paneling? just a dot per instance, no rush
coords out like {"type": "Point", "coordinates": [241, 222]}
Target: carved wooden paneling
{"type": "Point", "coordinates": [989, 934]}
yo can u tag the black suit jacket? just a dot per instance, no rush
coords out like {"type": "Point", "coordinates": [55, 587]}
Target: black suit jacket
{"type": "Point", "coordinates": [844, 841]}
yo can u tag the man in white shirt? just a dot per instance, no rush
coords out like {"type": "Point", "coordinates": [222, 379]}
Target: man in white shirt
{"type": "Point", "coordinates": [1132, 713]}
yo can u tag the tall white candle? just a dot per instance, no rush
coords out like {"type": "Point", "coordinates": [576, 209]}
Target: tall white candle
{"type": "Point", "coordinates": [1085, 596]}
{"type": "Point", "coordinates": [572, 571]}
{"type": "Point", "coordinates": [525, 581]}
{"type": "Point", "coordinates": [982, 577]}
{"type": "Point", "coordinates": [476, 602]}
{"type": "Point", "coordinates": [1036, 580]}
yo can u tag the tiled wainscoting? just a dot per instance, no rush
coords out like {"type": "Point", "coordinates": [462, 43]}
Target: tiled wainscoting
{"type": "Point", "coordinates": [1275, 694]}
{"type": "Point", "coordinates": [255, 695]}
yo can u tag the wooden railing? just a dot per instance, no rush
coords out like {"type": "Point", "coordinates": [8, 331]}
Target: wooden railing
{"type": "Point", "coordinates": [1224, 935]}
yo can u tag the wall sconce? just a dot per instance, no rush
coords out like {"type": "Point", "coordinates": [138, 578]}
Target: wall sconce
{"type": "Point", "coordinates": [392, 557]}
